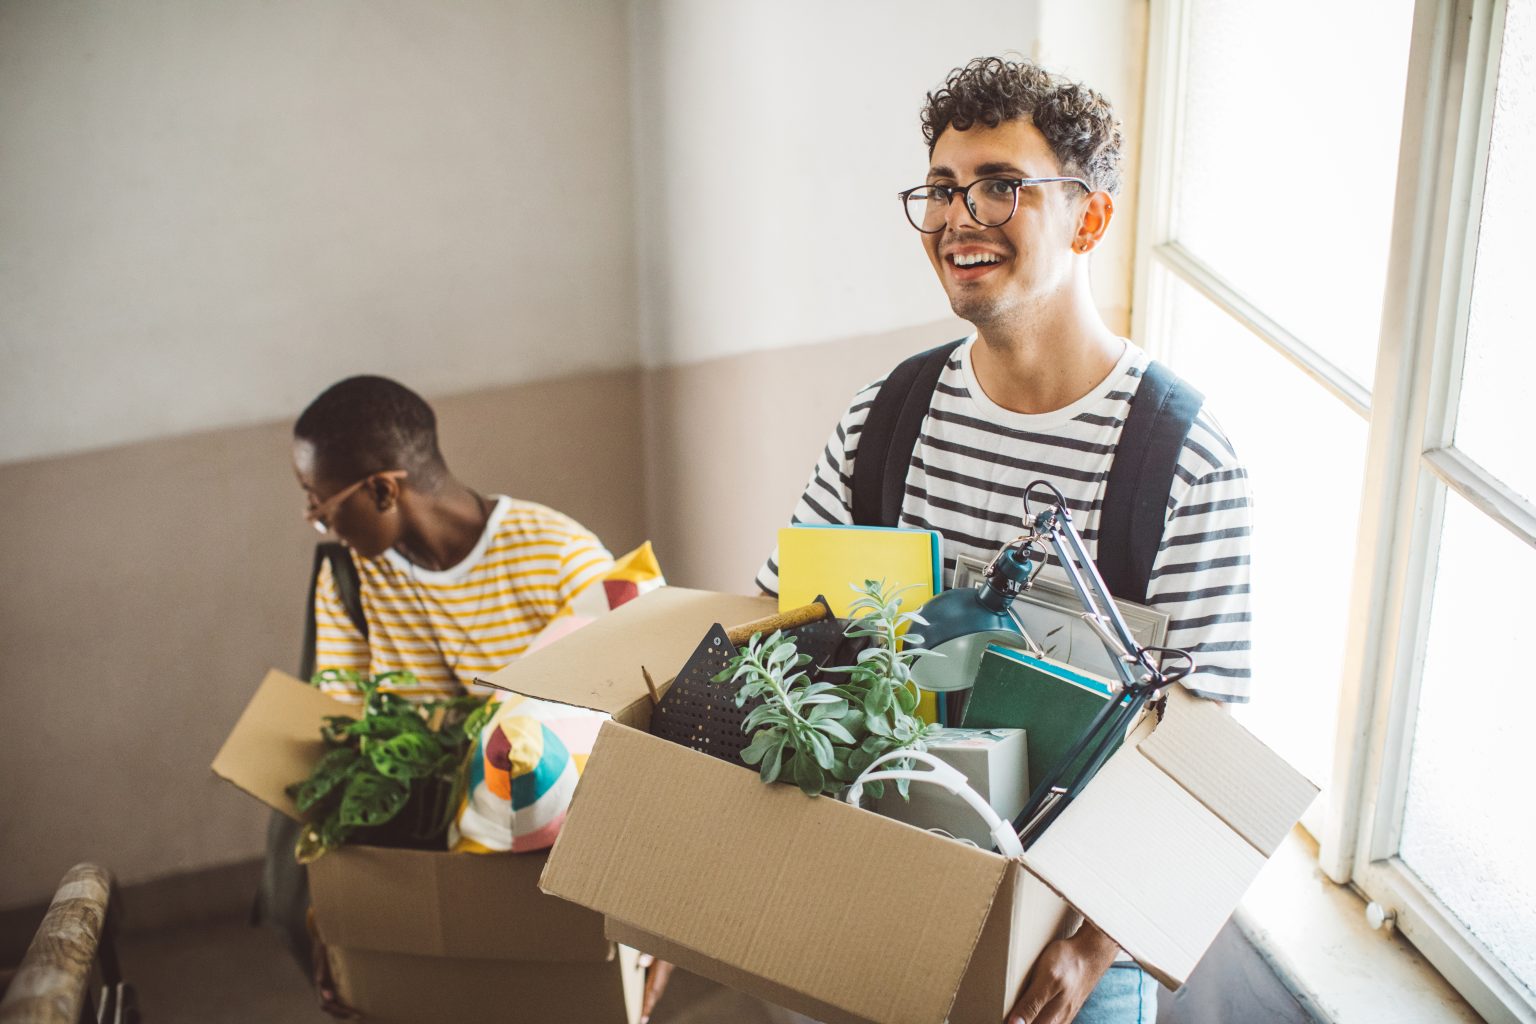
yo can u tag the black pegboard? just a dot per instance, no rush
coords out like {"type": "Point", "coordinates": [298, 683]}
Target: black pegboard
{"type": "Point", "coordinates": [699, 713]}
{"type": "Point", "coordinates": [702, 714]}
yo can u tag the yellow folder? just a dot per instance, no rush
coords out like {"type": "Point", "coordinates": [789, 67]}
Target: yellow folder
{"type": "Point", "coordinates": [833, 560]}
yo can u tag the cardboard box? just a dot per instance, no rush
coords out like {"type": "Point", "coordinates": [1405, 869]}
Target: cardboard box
{"type": "Point", "coordinates": [418, 935]}
{"type": "Point", "coordinates": [851, 917]}
{"type": "Point", "coordinates": [996, 764]}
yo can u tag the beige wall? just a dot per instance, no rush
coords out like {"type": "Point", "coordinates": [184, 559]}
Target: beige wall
{"type": "Point", "coordinates": [210, 211]}
{"type": "Point", "coordinates": [771, 139]}
{"type": "Point", "coordinates": [148, 587]}
{"type": "Point", "coordinates": [1103, 43]}
{"type": "Point", "coordinates": [730, 444]}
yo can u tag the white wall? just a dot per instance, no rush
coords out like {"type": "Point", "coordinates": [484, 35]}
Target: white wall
{"type": "Point", "coordinates": [771, 139]}
{"type": "Point", "coordinates": [1103, 43]}
{"type": "Point", "coordinates": [209, 211]}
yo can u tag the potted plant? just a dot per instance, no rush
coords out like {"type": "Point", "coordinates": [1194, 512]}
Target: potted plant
{"type": "Point", "coordinates": [389, 778]}
{"type": "Point", "coordinates": [820, 734]}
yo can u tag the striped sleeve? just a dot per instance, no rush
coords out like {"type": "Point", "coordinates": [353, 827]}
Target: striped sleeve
{"type": "Point", "coordinates": [1201, 574]}
{"type": "Point", "coordinates": [583, 561]}
{"type": "Point", "coordinates": [828, 496]}
{"type": "Point", "coordinates": [338, 644]}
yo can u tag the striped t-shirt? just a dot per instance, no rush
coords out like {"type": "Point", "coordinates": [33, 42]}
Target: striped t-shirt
{"type": "Point", "coordinates": [974, 458]}
{"type": "Point", "coordinates": [449, 627]}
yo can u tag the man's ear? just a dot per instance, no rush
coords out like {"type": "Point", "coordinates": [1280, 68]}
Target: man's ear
{"type": "Point", "coordinates": [384, 492]}
{"type": "Point", "coordinates": [1093, 221]}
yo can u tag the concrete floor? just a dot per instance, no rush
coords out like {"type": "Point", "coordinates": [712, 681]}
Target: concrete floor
{"type": "Point", "coordinates": [226, 972]}
{"type": "Point", "coordinates": [231, 973]}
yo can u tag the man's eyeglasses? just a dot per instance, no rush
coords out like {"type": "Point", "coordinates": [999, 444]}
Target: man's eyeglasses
{"type": "Point", "coordinates": [319, 513]}
{"type": "Point", "coordinates": [991, 201]}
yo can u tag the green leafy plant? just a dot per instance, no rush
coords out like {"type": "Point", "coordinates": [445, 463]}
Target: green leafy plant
{"type": "Point", "coordinates": [393, 774]}
{"type": "Point", "coordinates": [819, 734]}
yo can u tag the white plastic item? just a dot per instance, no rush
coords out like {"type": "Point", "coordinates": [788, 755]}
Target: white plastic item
{"type": "Point", "coordinates": [940, 774]}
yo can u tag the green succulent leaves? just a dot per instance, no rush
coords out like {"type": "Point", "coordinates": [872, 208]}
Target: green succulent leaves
{"type": "Point", "coordinates": [377, 763]}
{"type": "Point", "coordinates": [819, 735]}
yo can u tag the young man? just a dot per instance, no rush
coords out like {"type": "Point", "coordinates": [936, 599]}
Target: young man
{"type": "Point", "coordinates": [1023, 165]}
{"type": "Point", "coordinates": [452, 583]}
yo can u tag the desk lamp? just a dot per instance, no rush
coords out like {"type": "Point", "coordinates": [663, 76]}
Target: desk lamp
{"type": "Point", "coordinates": [960, 623]}
{"type": "Point", "coordinates": [964, 621]}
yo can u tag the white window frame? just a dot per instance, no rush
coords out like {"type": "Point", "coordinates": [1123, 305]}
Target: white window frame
{"type": "Point", "coordinates": [1410, 460]}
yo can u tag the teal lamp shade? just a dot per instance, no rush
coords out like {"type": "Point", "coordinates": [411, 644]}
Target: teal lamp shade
{"type": "Point", "coordinates": [961, 623]}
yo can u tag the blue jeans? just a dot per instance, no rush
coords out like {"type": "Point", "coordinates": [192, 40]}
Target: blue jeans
{"type": "Point", "coordinates": [1125, 995]}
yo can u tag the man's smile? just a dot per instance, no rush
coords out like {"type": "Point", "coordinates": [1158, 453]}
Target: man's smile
{"type": "Point", "coordinates": [969, 262]}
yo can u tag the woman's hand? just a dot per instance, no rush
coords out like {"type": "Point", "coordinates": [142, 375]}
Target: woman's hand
{"type": "Point", "coordinates": [657, 973]}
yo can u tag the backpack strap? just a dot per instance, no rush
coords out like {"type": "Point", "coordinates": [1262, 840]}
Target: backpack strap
{"type": "Point", "coordinates": [1141, 478]}
{"type": "Point", "coordinates": [348, 589]}
{"type": "Point", "coordinates": [889, 436]}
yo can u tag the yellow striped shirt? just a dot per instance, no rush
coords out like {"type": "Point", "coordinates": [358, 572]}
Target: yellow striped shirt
{"type": "Point", "coordinates": [448, 627]}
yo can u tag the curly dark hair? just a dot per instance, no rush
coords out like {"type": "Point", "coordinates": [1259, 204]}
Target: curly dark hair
{"type": "Point", "coordinates": [1079, 124]}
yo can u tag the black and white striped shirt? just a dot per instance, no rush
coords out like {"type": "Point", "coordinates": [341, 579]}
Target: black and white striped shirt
{"type": "Point", "coordinates": [974, 458]}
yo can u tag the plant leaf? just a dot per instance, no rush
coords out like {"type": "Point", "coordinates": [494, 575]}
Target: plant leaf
{"type": "Point", "coordinates": [328, 773]}
{"type": "Point", "coordinates": [372, 799]}
{"type": "Point", "coordinates": [410, 755]}
{"type": "Point", "coordinates": [773, 763]}
{"type": "Point", "coordinates": [821, 749]}
{"type": "Point", "coordinates": [808, 775]}
{"type": "Point", "coordinates": [834, 730]}
{"type": "Point", "coordinates": [878, 700]}
{"type": "Point", "coordinates": [762, 741]}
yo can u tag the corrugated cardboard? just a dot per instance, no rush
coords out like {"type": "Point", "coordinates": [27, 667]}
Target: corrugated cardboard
{"type": "Point", "coordinates": [405, 989]}
{"type": "Point", "coordinates": [848, 916]}
{"type": "Point", "coordinates": [603, 667]}
{"type": "Point", "coordinates": [431, 903]}
{"type": "Point", "coordinates": [416, 935]}
{"type": "Point", "coordinates": [277, 740]}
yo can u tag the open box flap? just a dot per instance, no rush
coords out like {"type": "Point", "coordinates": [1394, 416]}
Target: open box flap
{"type": "Point", "coordinates": [599, 666]}
{"type": "Point", "coordinates": [1144, 856]}
{"type": "Point", "coordinates": [277, 739]}
{"type": "Point", "coordinates": [435, 903]}
{"type": "Point", "coordinates": [853, 910]}
{"type": "Point", "coordinates": [1225, 767]}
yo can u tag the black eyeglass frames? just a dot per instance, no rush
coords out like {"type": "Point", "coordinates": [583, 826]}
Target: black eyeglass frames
{"type": "Point", "coordinates": [992, 202]}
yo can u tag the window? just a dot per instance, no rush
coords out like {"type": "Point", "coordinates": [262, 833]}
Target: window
{"type": "Point", "coordinates": [1338, 243]}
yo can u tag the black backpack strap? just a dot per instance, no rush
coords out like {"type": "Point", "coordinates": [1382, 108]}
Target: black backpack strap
{"type": "Point", "coordinates": [1141, 478]}
{"type": "Point", "coordinates": [348, 589]}
{"type": "Point", "coordinates": [890, 434]}
{"type": "Point", "coordinates": [282, 895]}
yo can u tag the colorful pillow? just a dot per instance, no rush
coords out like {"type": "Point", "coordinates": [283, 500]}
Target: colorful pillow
{"type": "Point", "coordinates": [529, 756]}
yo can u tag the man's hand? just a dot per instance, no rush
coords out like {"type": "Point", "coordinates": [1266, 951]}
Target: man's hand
{"type": "Point", "coordinates": [1059, 983]}
{"type": "Point", "coordinates": [657, 973]}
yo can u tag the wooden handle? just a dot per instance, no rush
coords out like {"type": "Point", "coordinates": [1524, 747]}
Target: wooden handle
{"type": "Point", "coordinates": [813, 612]}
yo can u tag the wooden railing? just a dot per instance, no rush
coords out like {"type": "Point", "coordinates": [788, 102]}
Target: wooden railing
{"type": "Point", "coordinates": [52, 985]}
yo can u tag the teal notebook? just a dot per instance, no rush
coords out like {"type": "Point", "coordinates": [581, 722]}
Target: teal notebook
{"type": "Point", "coordinates": [1052, 702]}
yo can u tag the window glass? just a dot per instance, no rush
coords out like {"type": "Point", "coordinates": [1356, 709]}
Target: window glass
{"type": "Point", "coordinates": [1492, 426]}
{"type": "Point", "coordinates": [1288, 160]}
{"type": "Point", "coordinates": [1468, 825]}
{"type": "Point", "coordinates": [1305, 453]}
